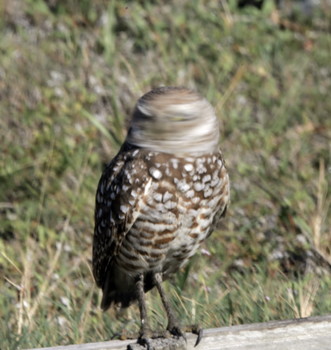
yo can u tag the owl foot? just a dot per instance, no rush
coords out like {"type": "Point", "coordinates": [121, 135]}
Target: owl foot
{"type": "Point", "coordinates": [176, 331]}
{"type": "Point", "coordinates": [148, 339]}
{"type": "Point", "coordinates": [163, 340]}
{"type": "Point", "coordinates": [146, 342]}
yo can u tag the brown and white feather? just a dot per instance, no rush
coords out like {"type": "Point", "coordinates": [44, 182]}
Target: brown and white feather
{"type": "Point", "coordinates": [161, 196]}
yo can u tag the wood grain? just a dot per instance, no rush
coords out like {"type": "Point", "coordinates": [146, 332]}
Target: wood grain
{"type": "Point", "coordinates": [312, 333]}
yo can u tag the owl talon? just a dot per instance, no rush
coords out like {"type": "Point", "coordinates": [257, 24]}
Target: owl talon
{"type": "Point", "coordinates": [195, 329]}
{"type": "Point", "coordinates": [146, 339]}
{"type": "Point", "coordinates": [199, 336]}
{"type": "Point", "coordinates": [146, 342]}
{"type": "Point", "coordinates": [176, 332]}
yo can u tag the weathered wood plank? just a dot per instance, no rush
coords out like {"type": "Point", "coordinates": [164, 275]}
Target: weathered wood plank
{"type": "Point", "coordinates": [312, 333]}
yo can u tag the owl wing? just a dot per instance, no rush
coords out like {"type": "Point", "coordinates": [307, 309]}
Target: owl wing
{"type": "Point", "coordinates": [224, 195]}
{"type": "Point", "coordinates": [121, 189]}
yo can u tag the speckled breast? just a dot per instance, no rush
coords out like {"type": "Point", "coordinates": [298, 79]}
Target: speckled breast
{"type": "Point", "coordinates": [182, 200]}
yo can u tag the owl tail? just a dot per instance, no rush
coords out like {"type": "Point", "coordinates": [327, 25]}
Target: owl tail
{"type": "Point", "coordinates": [119, 288]}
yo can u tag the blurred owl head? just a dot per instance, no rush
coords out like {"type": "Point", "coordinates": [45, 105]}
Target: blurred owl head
{"type": "Point", "coordinates": [174, 120]}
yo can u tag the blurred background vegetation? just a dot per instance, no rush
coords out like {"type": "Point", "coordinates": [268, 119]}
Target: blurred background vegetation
{"type": "Point", "coordinates": [70, 73]}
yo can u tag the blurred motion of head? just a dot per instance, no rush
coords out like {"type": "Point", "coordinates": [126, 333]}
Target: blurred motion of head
{"type": "Point", "coordinates": [174, 120]}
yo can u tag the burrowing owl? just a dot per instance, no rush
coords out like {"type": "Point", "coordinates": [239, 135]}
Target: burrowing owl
{"type": "Point", "coordinates": [158, 199]}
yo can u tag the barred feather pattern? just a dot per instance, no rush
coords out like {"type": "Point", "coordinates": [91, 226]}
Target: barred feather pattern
{"type": "Point", "coordinates": [153, 211]}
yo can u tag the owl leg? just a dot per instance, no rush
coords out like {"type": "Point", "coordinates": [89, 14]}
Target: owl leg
{"type": "Point", "coordinates": [173, 326]}
{"type": "Point", "coordinates": [145, 331]}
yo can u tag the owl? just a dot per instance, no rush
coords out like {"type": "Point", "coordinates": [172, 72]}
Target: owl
{"type": "Point", "coordinates": [158, 199]}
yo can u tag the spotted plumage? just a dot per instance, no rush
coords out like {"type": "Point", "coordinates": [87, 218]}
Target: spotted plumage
{"type": "Point", "coordinates": [160, 197]}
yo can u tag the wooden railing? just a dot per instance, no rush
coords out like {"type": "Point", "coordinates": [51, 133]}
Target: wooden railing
{"type": "Point", "coordinates": [312, 333]}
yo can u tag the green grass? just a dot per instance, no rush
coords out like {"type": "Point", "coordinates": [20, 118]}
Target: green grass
{"type": "Point", "coordinates": [70, 73]}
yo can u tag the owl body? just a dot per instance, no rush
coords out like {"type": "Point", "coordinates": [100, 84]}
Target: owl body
{"type": "Point", "coordinates": [161, 196]}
